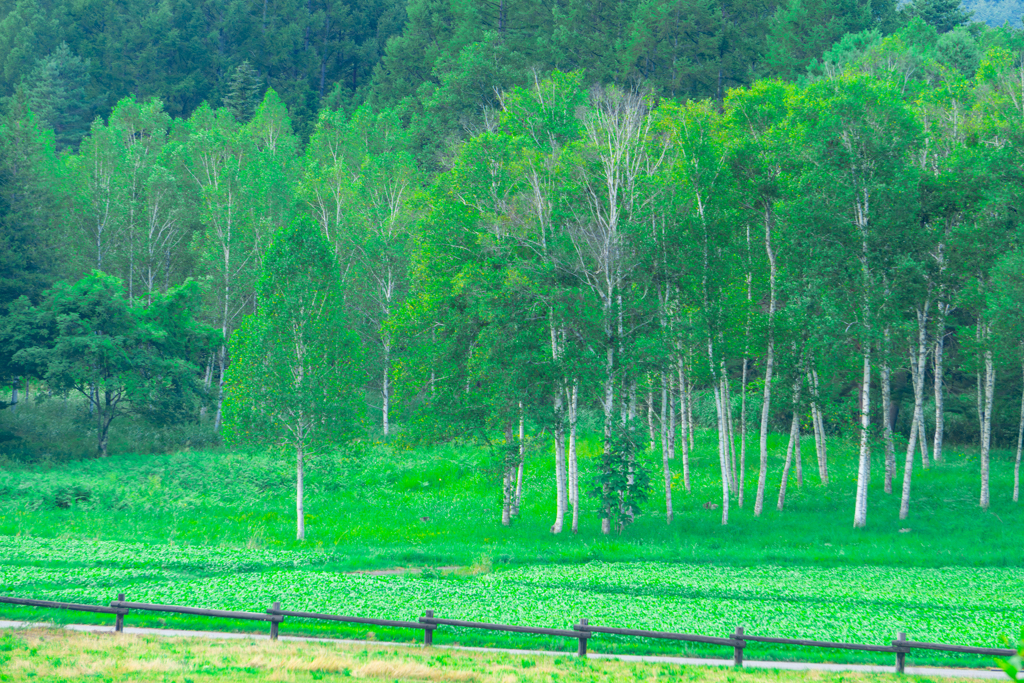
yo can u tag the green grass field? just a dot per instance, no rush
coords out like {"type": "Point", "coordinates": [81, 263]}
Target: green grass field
{"type": "Point", "coordinates": [49, 655]}
{"type": "Point", "coordinates": [216, 529]}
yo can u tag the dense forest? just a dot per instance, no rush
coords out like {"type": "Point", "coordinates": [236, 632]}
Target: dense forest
{"type": "Point", "coordinates": [512, 222]}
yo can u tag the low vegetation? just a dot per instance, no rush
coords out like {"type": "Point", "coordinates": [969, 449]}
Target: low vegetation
{"type": "Point", "coordinates": [215, 529]}
{"type": "Point", "coordinates": [41, 654]}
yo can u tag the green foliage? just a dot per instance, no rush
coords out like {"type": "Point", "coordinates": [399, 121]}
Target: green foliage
{"type": "Point", "coordinates": [86, 338]}
{"type": "Point", "coordinates": [244, 92]}
{"type": "Point", "coordinates": [944, 15]}
{"type": "Point", "coordinates": [293, 371]}
{"type": "Point", "coordinates": [865, 604]}
{"type": "Point", "coordinates": [1015, 664]}
{"type": "Point", "coordinates": [622, 482]}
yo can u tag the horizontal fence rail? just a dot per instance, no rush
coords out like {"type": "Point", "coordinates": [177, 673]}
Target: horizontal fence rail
{"type": "Point", "coordinates": [581, 631]}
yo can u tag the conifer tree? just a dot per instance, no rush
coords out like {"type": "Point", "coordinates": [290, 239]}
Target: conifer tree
{"type": "Point", "coordinates": [245, 91]}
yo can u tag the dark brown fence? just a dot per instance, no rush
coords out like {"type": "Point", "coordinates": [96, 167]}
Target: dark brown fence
{"type": "Point", "coordinates": [582, 631]}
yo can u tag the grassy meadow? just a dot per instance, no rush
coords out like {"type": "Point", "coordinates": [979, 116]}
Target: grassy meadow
{"type": "Point", "coordinates": [215, 528]}
{"type": "Point", "coordinates": [41, 654]}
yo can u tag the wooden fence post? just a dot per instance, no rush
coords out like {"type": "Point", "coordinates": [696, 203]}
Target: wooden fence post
{"type": "Point", "coordinates": [737, 653]}
{"type": "Point", "coordinates": [273, 624]}
{"type": "Point", "coordinates": [901, 654]}
{"type": "Point", "coordinates": [119, 621]}
{"type": "Point", "coordinates": [428, 632]}
{"type": "Point", "coordinates": [582, 650]}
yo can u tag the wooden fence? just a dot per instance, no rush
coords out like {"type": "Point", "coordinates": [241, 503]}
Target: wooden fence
{"type": "Point", "coordinates": [582, 631]}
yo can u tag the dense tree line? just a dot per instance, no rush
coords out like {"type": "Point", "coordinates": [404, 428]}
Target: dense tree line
{"type": "Point", "coordinates": [470, 256]}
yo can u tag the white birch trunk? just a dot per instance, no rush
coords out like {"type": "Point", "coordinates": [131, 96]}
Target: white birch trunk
{"type": "Point", "coordinates": [574, 495]}
{"type": "Point", "coordinates": [769, 364]}
{"type": "Point", "coordinates": [789, 461]}
{"type": "Point", "coordinates": [890, 449]}
{"type": "Point", "coordinates": [743, 430]}
{"type": "Point", "coordinates": [300, 516]}
{"type": "Point", "coordinates": [666, 391]}
{"type": "Point", "coordinates": [796, 453]}
{"type": "Point", "coordinates": [650, 413]}
{"type": "Point", "coordinates": [860, 513]}
{"type": "Point", "coordinates": [561, 483]}
{"type": "Point", "coordinates": [908, 470]}
{"type": "Point", "coordinates": [1020, 443]}
{"type": "Point", "coordinates": [522, 462]}
{"type": "Point", "coordinates": [730, 436]}
{"type": "Point", "coordinates": [940, 414]}
{"type": "Point", "coordinates": [722, 454]}
{"type": "Point", "coordinates": [685, 424]}
{"type": "Point", "coordinates": [819, 427]}
{"type": "Point", "coordinates": [986, 425]}
{"type": "Point", "coordinates": [671, 417]}
{"type": "Point", "coordinates": [663, 417]}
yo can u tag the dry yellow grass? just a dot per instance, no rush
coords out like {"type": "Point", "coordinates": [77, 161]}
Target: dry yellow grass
{"type": "Point", "coordinates": [56, 655]}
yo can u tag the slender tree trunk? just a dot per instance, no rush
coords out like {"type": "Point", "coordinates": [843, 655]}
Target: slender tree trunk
{"type": "Point", "coordinates": [923, 441]}
{"type": "Point", "coordinates": [890, 449]}
{"type": "Point", "coordinates": [663, 417]}
{"type": "Point", "coordinates": [722, 452]}
{"type": "Point", "coordinates": [684, 406]}
{"type": "Point", "coordinates": [1020, 443]}
{"type": "Point", "coordinates": [522, 462]}
{"type": "Point", "coordinates": [574, 495]}
{"type": "Point", "coordinates": [300, 489]}
{"type": "Point", "coordinates": [918, 363]}
{"type": "Point", "coordinates": [561, 485]}
{"type": "Point", "coordinates": [650, 412]}
{"type": "Point", "coordinates": [14, 394]}
{"type": "Point", "coordinates": [908, 470]}
{"type": "Point", "coordinates": [860, 513]}
{"type": "Point", "coordinates": [507, 478]}
{"type": "Point", "coordinates": [222, 363]}
{"type": "Point", "coordinates": [769, 363]}
{"type": "Point", "coordinates": [671, 417]}
{"type": "Point", "coordinates": [666, 391]}
{"type": "Point", "coordinates": [986, 427]}
{"type": "Point", "coordinates": [730, 436]}
{"type": "Point", "coordinates": [385, 393]}
{"type": "Point", "coordinates": [819, 427]}
{"type": "Point", "coordinates": [743, 432]}
{"type": "Point", "coordinates": [793, 431]}
{"type": "Point", "coordinates": [796, 455]}
{"type": "Point", "coordinates": [940, 415]}
{"type": "Point", "coordinates": [609, 415]}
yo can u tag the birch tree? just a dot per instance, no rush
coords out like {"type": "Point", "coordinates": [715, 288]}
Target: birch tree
{"type": "Point", "coordinates": [856, 138]}
{"type": "Point", "coordinates": [754, 115]}
{"type": "Point", "coordinates": [294, 372]}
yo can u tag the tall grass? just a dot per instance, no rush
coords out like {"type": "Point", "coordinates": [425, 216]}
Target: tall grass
{"type": "Point", "coordinates": [373, 505]}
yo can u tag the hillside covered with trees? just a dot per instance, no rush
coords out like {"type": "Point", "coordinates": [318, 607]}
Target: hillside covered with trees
{"type": "Point", "coordinates": [517, 223]}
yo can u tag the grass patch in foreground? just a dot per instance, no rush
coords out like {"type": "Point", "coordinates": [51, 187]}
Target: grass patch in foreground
{"type": "Point", "coordinates": [50, 654]}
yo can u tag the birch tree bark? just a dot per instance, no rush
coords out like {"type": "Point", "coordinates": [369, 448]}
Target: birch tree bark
{"type": "Point", "coordinates": [985, 411]}
{"type": "Point", "coordinates": [769, 360]}
{"type": "Point", "coordinates": [684, 419]}
{"type": "Point", "coordinates": [1020, 443]}
{"type": "Point", "coordinates": [860, 513]}
{"type": "Point", "coordinates": [890, 450]}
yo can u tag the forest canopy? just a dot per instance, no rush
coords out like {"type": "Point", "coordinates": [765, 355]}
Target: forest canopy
{"type": "Point", "coordinates": [448, 220]}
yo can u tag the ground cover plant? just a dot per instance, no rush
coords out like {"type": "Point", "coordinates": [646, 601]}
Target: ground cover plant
{"type": "Point", "coordinates": [214, 529]}
{"type": "Point", "coordinates": [41, 654]}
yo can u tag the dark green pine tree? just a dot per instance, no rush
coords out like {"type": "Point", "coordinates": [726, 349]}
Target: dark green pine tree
{"type": "Point", "coordinates": [944, 15]}
{"type": "Point", "coordinates": [55, 91]}
{"type": "Point", "coordinates": [245, 90]}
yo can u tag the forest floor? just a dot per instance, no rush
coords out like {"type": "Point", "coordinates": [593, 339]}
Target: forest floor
{"type": "Point", "coordinates": [42, 654]}
{"type": "Point", "coordinates": [215, 528]}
